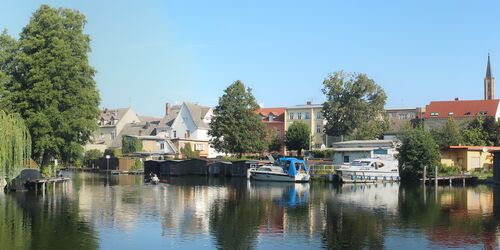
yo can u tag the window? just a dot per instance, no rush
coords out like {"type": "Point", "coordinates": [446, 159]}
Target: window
{"type": "Point", "coordinates": [467, 113]}
{"type": "Point", "coordinates": [162, 145]}
{"type": "Point", "coordinates": [291, 116]}
{"type": "Point", "coordinates": [318, 115]}
{"type": "Point", "coordinates": [187, 133]}
{"type": "Point", "coordinates": [411, 115]}
{"type": "Point", "coordinates": [346, 159]}
{"type": "Point", "coordinates": [482, 113]}
{"type": "Point", "coordinates": [299, 115]}
{"type": "Point", "coordinates": [199, 147]}
{"type": "Point", "coordinates": [113, 135]}
{"type": "Point", "coordinates": [271, 118]}
{"type": "Point", "coordinates": [175, 134]}
{"type": "Point", "coordinates": [450, 113]}
{"type": "Point", "coordinates": [308, 116]}
{"type": "Point", "coordinates": [434, 113]}
{"type": "Point", "coordinates": [402, 116]}
{"type": "Point", "coordinates": [318, 128]}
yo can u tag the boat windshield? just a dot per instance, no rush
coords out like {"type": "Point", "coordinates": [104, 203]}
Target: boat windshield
{"type": "Point", "coordinates": [360, 163]}
{"type": "Point", "coordinates": [299, 166]}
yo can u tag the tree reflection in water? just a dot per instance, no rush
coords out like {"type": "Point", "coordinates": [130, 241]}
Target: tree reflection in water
{"type": "Point", "coordinates": [28, 221]}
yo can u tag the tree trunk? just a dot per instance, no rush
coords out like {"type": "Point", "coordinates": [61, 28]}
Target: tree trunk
{"type": "Point", "coordinates": [299, 152]}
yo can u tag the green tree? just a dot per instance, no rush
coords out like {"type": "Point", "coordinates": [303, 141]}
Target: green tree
{"type": "Point", "coordinates": [8, 47]}
{"type": "Point", "coordinates": [448, 135]}
{"type": "Point", "coordinates": [236, 127]}
{"type": "Point", "coordinates": [52, 84]}
{"type": "Point", "coordinates": [475, 133]}
{"type": "Point", "coordinates": [91, 157]}
{"type": "Point", "coordinates": [188, 151]}
{"type": "Point", "coordinates": [298, 137]}
{"type": "Point", "coordinates": [275, 144]}
{"type": "Point", "coordinates": [131, 144]}
{"type": "Point", "coordinates": [352, 101]}
{"type": "Point", "coordinates": [15, 145]}
{"type": "Point", "coordinates": [418, 149]}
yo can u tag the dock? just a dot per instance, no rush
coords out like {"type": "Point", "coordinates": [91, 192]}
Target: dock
{"type": "Point", "coordinates": [450, 179]}
{"type": "Point", "coordinates": [44, 182]}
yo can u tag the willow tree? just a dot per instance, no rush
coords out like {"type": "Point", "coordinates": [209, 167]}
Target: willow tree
{"type": "Point", "coordinates": [15, 145]}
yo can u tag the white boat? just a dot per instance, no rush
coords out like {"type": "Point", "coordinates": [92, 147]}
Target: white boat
{"type": "Point", "coordinates": [369, 170]}
{"type": "Point", "coordinates": [286, 169]}
{"type": "Point", "coordinates": [155, 180]}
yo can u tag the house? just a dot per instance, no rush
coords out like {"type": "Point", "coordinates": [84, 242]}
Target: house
{"type": "Point", "coordinates": [400, 117]}
{"type": "Point", "coordinates": [348, 151]}
{"type": "Point", "coordinates": [189, 123]}
{"type": "Point", "coordinates": [155, 147]}
{"type": "Point", "coordinates": [463, 111]}
{"type": "Point", "coordinates": [274, 119]}
{"type": "Point", "coordinates": [111, 123]}
{"type": "Point", "coordinates": [311, 115]}
{"type": "Point", "coordinates": [469, 157]}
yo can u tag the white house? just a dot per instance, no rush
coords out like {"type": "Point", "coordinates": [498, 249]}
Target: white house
{"type": "Point", "coordinates": [348, 151]}
{"type": "Point", "coordinates": [191, 122]}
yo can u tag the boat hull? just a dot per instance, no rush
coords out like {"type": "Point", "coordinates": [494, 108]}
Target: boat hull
{"type": "Point", "coordinates": [365, 176]}
{"type": "Point", "coordinates": [282, 177]}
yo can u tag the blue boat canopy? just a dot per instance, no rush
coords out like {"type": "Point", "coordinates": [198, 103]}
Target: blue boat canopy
{"type": "Point", "coordinates": [292, 165]}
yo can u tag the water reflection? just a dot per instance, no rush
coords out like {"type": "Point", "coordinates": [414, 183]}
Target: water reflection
{"type": "Point", "coordinates": [113, 212]}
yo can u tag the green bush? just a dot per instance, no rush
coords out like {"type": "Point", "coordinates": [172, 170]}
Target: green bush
{"type": "Point", "coordinates": [137, 165]}
{"type": "Point", "coordinates": [449, 170]}
{"type": "Point", "coordinates": [322, 153]}
{"type": "Point", "coordinates": [113, 152]}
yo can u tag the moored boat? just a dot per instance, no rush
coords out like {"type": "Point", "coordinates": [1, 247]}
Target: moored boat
{"type": "Point", "coordinates": [369, 170]}
{"type": "Point", "coordinates": [285, 169]}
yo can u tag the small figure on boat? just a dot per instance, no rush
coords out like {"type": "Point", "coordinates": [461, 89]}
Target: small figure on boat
{"type": "Point", "coordinates": [155, 179]}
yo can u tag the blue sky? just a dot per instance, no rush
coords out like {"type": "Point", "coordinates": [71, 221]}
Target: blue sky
{"type": "Point", "coordinates": [150, 52]}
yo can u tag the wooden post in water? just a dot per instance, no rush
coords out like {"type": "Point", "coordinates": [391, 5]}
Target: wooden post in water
{"type": "Point", "coordinates": [436, 175]}
{"type": "Point", "coordinates": [425, 175]}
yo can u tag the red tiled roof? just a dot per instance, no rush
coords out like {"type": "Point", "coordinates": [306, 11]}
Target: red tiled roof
{"type": "Point", "coordinates": [461, 108]}
{"type": "Point", "coordinates": [477, 148]}
{"type": "Point", "coordinates": [275, 111]}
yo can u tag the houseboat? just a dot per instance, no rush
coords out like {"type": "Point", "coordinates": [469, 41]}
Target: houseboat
{"type": "Point", "coordinates": [369, 170]}
{"type": "Point", "coordinates": [284, 169]}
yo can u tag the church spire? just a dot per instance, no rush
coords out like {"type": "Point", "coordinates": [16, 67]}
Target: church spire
{"type": "Point", "coordinates": [488, 68]}
{"type": "Point", "coordinates": [489, 82]}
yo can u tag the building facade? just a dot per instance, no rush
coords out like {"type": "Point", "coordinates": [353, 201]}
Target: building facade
{"type": "Point", "coordinates": [311, 115]}
{"type": "Point", "coordinates": [274, 119]}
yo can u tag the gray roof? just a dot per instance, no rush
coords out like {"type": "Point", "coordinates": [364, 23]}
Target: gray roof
{"type": "Point", "coordinates": [198, 112]}
{"type": "Point", "coordinates": [107, 114]}
{"type": "Point", "coordinates": [134, 129]}
{"type": "Point", "coordinates": [167, 120]}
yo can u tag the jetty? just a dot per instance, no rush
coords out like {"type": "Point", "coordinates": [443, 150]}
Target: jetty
{"type": "Point", "coordinates": [43, 183]}
{"type": "Point", "coordinates": [450, 179]}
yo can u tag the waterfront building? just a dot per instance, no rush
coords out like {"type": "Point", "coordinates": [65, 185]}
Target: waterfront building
{"type": "Point", "coordinates": [311, 115]}
{"type": "Point", "coordinates": [347, 151]}
{"type": "Point", "coordinates": [469, 157]}
{"type": "Point", "coordinates": [463, 111]}
{"type": "Point", "coordinates": [274, 119]}
{"type": "Point", "coordinates": [189, 123]}
{"type": "Point", "coordinates": [111, 123]}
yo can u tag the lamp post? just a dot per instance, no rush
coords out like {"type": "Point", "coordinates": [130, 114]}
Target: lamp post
{"type": "Point", "coordinates": [107, 163]}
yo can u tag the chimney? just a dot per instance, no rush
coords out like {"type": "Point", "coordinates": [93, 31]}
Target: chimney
{"type": "Point", "coordinates": [456, 98]}
{"type": "Point", "coordinates": [308, 103]}
{"type": "Point", "coordinates": [167, 108]}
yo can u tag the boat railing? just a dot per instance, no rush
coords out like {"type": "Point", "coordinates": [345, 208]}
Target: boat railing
{"type": "Point", "coordinates": [315, 169]}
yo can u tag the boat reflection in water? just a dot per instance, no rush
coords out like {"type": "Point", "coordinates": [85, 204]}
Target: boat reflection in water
{"type": "Point", "coordinates": [282, 193]}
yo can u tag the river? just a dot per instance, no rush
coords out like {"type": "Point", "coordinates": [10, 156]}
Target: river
{"type": "Point", "coordinates": [121, 212]}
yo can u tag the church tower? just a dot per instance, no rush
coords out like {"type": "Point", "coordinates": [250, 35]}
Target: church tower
{"type": "Point", "coordinates": [489, 83]}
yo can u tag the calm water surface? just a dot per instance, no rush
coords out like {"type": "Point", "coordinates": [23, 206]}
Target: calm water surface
{"type": "Point", "coordinates": [121, 212]}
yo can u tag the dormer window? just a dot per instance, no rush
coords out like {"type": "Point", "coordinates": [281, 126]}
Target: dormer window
{"type": "Point", "coordinates": [450, 113]}
{"type": "Point", "coordinates": [467, 113]}
{"type": "Point", "coordinates": [434, 113]}
{"type": "Point", "coordinates": [482, 113]}
{"type": "Point", "coordinates": [271, 117]}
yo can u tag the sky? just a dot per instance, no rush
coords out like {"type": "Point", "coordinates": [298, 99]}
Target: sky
{"type": "Point", "coordinates": [147, 53]}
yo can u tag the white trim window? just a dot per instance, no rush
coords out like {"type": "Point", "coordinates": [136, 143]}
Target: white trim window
{"type": "Point", "coordinates": [291, 116]}
{"type": "Point", "coordinates": [299, 115]}
{"type": "Point", "coordinates": [199, 147]}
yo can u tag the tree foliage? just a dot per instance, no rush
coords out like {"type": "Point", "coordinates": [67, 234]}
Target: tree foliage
{"type": "Point", "coordinates": [236, 127]}
{"type": "Point", "coordinates": [188, 151]}
{"type": "Point", "coordinates": [51, 84]}
{"type": "Point", "coordinates": [418, 149]}
{"type": "Point", "coordinates": [298, 137]}
{"type": "Point", "coordinates": [15, 145]}
{"type": "Point", "coordinates": [131, 144]}
{"type": "Point", "coordinates": [353, 102]}
{"type": "Point", "coordinates": [482, 131]}
{"type": "Point", "coordinates": [448, 135]}
{"type": "Point", "coordinates": [91, 157]}
{"type": "Point", "coordinates": [275, 142]}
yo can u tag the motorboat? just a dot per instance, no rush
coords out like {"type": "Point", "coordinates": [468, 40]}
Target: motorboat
{"type": "Point", "coordinates": [369, 170]}
{"type": "Point", "coordinates": [285, 169]}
